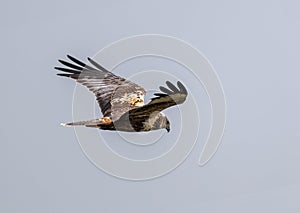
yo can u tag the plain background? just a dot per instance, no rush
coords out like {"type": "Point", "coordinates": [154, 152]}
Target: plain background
{"type": "Point", "coordinates": [254, 47]}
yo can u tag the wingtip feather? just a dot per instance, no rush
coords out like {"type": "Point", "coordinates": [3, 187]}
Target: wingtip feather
{"type": "Point", "coordinates": [181, 87]}
{"type": "Point", "coordinates": [93, 62]}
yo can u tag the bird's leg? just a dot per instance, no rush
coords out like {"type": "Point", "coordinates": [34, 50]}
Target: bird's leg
{"type": "Point", "coordinates": [105, 120]}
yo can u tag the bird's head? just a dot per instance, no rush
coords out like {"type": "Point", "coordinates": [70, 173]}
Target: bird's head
{"type": "Point", "coordinates": [161, 122]}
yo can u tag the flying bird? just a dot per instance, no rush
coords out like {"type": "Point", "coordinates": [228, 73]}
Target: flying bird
{"type": "Point", "coordinates": [122, 101]}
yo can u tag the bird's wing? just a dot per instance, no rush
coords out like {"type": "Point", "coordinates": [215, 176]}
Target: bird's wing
{"type": "Point", "coordinates": [115, 95]}
{"type": "Point", "coordinates": [169, 97]}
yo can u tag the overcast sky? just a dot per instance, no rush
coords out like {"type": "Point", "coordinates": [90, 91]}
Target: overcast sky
{"type": "Point", "coordinates": [254, 48]}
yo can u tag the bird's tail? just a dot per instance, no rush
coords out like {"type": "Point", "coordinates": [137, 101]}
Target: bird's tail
{"type": "Point", "coordinates": [97, 123]}
{"type": "Point", "coordinates": [79, 123]}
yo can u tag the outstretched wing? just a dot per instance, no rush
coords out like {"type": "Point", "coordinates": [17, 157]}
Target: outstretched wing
{"type": "Point", "coordinates": [115, 95]}
{"type": "Point", "coordinates": [169, 97]}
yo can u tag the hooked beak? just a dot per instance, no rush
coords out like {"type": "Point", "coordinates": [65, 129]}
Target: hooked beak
{"type": "Point", "coordinates": [168, 128]}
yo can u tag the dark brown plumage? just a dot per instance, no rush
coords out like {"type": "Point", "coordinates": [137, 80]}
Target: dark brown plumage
{"type": "Point", "coordinates": [122, 101]}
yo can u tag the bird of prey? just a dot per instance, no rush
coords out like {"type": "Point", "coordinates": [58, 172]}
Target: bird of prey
{"type": "Point", "coordinates": [122, 101]}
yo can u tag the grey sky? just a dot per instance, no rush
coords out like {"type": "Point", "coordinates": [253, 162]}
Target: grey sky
{"type": "Point", "coordinates": [254, 47]}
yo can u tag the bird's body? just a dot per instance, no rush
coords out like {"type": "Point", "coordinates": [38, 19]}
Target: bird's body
{"type": "Point", "coordinates": [122, 101]}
